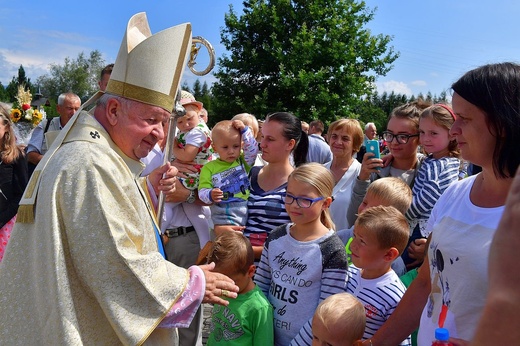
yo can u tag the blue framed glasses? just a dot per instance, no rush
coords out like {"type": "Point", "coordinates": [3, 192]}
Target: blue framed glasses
{"type": "Point", "coordinates": [303, 202]}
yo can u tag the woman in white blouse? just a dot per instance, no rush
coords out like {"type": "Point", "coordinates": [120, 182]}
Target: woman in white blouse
{"type": "Point", "coordinates": [345, 138]}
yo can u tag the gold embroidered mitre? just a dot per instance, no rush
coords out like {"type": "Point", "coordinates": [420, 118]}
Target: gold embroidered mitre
{"type": "Point", "coordinates": [148, 69]}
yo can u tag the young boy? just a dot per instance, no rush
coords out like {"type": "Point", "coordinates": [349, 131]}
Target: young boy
{"type": "Point", "coordinates": [380, 235]}
{"type": "Point", "coordinates": [248, 319]}
{"type": "Point", "coordinates": [224, 181]}
{"type": "Point", "coordinates": [388, 191]}
{"type": "Point", "coordinates": [338, 320]}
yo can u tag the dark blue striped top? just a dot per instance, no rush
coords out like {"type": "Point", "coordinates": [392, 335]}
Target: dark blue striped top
{"type": "Point", "coordinates": [266, 210]}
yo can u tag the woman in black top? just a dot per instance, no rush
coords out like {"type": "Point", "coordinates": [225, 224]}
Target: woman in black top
{"type": "Point", "coordinates": [13, 177]}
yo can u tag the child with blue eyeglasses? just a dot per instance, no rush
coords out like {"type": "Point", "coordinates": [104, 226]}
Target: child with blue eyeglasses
{"type": "Point", "coordinates": [303, 262]}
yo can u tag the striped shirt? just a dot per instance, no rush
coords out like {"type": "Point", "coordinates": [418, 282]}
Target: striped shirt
{"type": "Point", "coordinates": [433, 178]}
{"type": "Point", "coordinates": [379, 297]}
{"type": "Point", "coordinates": [266, 210]}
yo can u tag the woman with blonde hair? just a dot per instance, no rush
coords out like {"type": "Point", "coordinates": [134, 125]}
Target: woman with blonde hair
{"type": "Point", "coordinates": [13, 177]}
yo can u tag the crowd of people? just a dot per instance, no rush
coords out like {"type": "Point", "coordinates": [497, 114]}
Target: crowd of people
{"type": "Point", "coordinates": [295, 235]}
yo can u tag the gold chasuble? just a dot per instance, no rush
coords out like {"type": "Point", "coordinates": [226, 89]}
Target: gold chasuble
{"type": "Point", "coordinates": [87, 271]}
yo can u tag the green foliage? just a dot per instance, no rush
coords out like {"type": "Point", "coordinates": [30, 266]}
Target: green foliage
{"type": "Point", "coordinates": [313, 58]}
{"type": "Point", "coordinates": [376, 108]}
{"type": "Point", "coordinates": [12, 88]}
{"type": "Point", "coordinates": [79, 76]}
{"type": "Point", "coordinates": [185, 86]}
{"type": "Point", "coordinates": [3, 94]}
{"type": "Point", "coordinates": [197, 89]}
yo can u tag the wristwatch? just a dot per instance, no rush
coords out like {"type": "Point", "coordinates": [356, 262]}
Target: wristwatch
{"type": "Point", "coordinates": [191, 198]}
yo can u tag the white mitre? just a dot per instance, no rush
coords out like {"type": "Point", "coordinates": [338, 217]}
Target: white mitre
{"type": "Point", "coordinates": [148, 69]}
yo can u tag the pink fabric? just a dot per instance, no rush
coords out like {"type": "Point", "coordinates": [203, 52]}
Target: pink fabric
{"type": "Point", "coordinates": [182, 312]}
{"type": "Point", "coordinates": [5, 234]}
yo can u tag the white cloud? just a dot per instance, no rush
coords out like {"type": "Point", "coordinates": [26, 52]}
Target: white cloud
{"type": "Point", "coordinates": [395, 86]}
{"type": "Point", "coordinates": [419, 83]}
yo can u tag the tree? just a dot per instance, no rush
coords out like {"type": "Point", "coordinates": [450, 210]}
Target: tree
{"type": "Point", "coordinates": [185, 86]}
{"type": "Point", "coordinates": [207, 99]}
{"type": "Point", "coordinates": [12, 88]}
{"type": "Point", "coordinates": [3, 93]}
{"type": "Point", "coordinates": [313, 58]}
{"type": "Point", "coordinates": [79, 76]}
{"type": "Point", "coordinates": [197, 89]}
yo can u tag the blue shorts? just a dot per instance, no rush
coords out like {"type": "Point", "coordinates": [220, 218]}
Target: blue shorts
{"type": "Point", "coordinates": [232, 213]}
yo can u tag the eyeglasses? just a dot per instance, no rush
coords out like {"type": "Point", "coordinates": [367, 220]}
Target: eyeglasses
{"type": "Point", "coordinates": [400, 138]}
{"type": "Point", "coordinates": [303, 202]}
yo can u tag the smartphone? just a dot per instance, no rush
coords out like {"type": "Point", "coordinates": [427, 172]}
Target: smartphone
{"type": "Point", "coordinates": [373, 147]}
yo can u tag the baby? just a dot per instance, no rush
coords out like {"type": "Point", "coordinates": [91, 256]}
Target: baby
{"type": "Point", "coordinates": [224, 181]}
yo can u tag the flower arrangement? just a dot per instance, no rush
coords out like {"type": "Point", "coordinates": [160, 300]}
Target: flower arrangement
{"type": "Point", "coordinates": [22, 110]}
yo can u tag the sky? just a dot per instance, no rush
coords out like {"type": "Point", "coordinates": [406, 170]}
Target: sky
{"type": "Point", "coordinates": [437, 40]}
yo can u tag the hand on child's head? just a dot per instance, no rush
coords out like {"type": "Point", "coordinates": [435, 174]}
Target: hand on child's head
{"type": "Point", "coordinates": [238, 124]}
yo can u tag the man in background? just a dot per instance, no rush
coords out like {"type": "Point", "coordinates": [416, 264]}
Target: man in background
{"type": "Point", "coordinates": [68, 104]}
{"type": "Point", "coordinates": [105, 76]}
{"type": "Point", "coordinates": [319, 150]}
{"type": "Point", "coordinates": [203, 114]}
{"type": "Point", "coordinates": [370, 134]}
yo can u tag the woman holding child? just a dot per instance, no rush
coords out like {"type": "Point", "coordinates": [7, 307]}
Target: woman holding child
{"type": "Point", "coordinates": [451, 287]}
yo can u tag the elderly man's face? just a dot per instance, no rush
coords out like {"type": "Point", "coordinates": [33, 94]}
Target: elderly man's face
{"type": "Point", "coordinates": [67, 110]}
{"type": "Point", "coordinates": [371, 132]}
{"type": "Point", "coordinates": [138, 128]}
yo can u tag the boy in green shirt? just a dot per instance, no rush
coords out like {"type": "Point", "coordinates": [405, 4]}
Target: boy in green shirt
{"type": "Point", "coordinates": [248, 319]}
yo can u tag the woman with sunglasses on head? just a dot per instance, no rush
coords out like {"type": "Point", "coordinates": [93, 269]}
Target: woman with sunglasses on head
{"type": "Point", "coordinates": [402, 138]}
{"type": "Point", "coordinates": [304, 261]}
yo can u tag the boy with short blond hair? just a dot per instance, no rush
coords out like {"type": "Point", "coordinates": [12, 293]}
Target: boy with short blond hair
{"type": "Point", "coordinates": [380, 236]}
{"type": "Point", "coordinates": [391, 192]}
{"type": "Point", "coordinates": [338, 320]}
{"type": "Point", "coordinates": [248, 319]}
{"type": "Point", "coordinates": [387, 191]}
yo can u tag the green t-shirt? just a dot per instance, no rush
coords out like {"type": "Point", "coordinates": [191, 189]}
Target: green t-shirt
{"type": "Point", "coordinates": [246, 321]}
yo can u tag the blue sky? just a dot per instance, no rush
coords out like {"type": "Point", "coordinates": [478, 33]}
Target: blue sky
{"type": "Point", "coordinates": [438, 40]}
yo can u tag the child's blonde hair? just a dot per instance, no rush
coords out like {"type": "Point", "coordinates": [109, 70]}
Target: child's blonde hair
{"type": "Point", "coordinates": [223, 128]}
{"type": "Point", "coordinates": [250, 121]}
{"type": "Point", "coordinates": [442, 115]}
{"type": "Point", "coordinates": [392, 191]}
{"type": "Point", "coordinates": [388, 224]}
{"type": "Point", "coordinates": [322, 180]}
{"type": "Point", "coordinates": [232, 250]}
{"type": "Point", "coordinates": [342, 312]}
